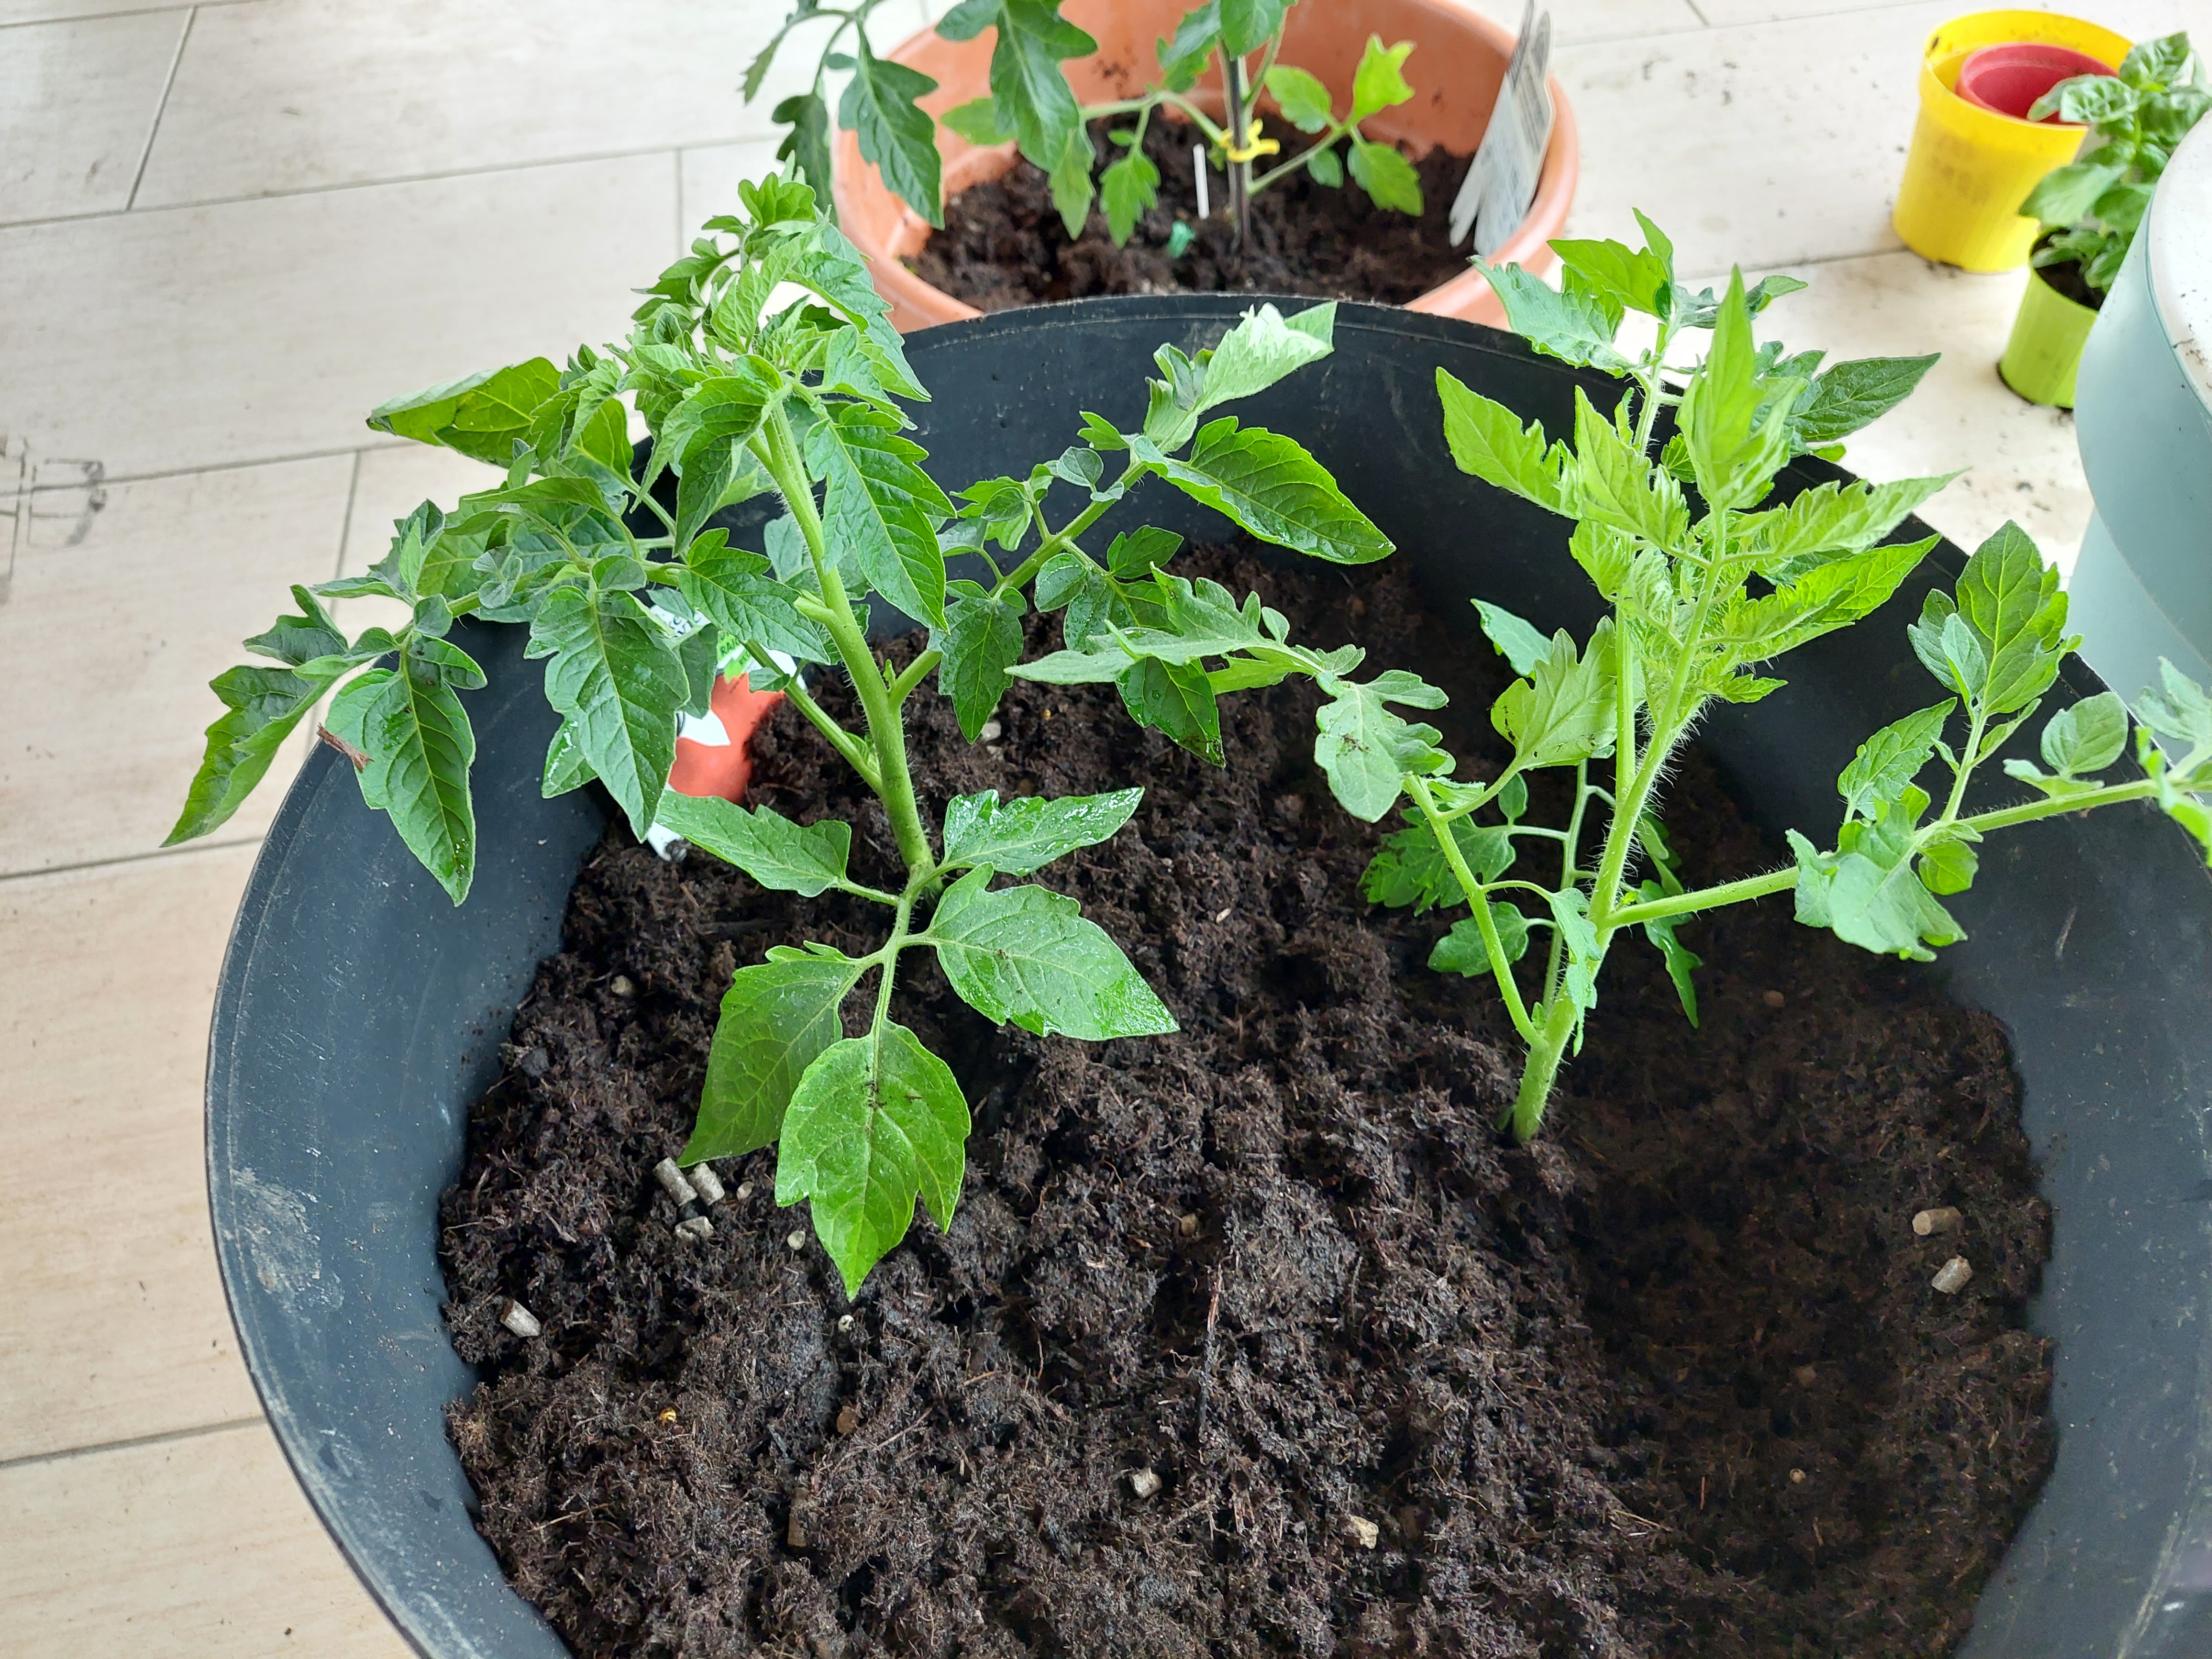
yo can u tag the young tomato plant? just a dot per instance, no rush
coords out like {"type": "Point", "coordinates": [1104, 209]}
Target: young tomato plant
{"type": "Point", "coordinates": [740, 399]}
{"type": "Point", "coordinates": [2096, 203]}
{"type": "Point", "coordinates": [1032, 106]}
{"type": "Point", "coordinates": [1706, 588]}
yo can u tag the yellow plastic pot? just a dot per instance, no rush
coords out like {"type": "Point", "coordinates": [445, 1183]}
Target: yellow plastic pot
{"type": "Point", "coordinates": [2045, 348]}
{"type": "Point", "coordinates": [1969, 168]}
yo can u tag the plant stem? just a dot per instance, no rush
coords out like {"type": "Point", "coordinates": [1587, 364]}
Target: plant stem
{"type": "Point", "coordinates": [1059, 541]}
{"type": "Point", "coordinates": [1240, 173]}
{"type": "Point", "coordinates": [913, 675]}
{"type": "Point", "coordinates": [855, 751]}
{"type": "Point", "coordinates": [1548, 1047]}
{"type": "Point", "coordinates": [1703, 898]}
{"type": "Point", "coordinates": [1478, 900]}
{"type": "Point", "coordinates": [902, 914]}
{"type": "Point", "coordinates": [893, 783]}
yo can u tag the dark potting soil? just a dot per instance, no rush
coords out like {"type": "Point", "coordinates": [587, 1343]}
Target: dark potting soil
{"type": "Point", "coordinates": [1672, 1381]}
{"type": "Point", "coordinates": [2065, 276]}
{"type": "Point", "coordinates": [1004, 246]}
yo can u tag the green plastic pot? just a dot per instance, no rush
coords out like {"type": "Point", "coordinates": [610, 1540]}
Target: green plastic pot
{"type": "Point", "coordinates": [2045, 348]}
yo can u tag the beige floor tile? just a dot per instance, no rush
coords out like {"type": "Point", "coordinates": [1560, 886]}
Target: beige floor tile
{"type": "Point", "coordinates": [196, 1549]}
{"type": "Point", "coordinates": [78, 101]}
{"type": "Point", "coordinates": [262, 329]}
{"type": "Point", "coordinates": [107, 707]}
{"type": "Point", "coordinates": [2137, 19]}
{"type": "Point", "coordinates": [12, 12]}
{"type": "Point", "coordinates": [2021, 459]}
{"type": "Point", "coordinates": [303, 95]}
{"type": "Point", "coordinates": [1578, 20]}
{"type": "Point", "coordinates": [113, 1325]}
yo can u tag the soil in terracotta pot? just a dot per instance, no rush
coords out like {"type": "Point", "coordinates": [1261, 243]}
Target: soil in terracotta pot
{"type": "Point", "coordinates": [1004, 246]}
{"type": "Point", "coordinates": [1672, 1381]}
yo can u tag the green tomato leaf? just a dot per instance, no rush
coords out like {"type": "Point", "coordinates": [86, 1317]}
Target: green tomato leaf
{"type": "Point", "coordinates": [1140, 551]}
{"type": "Point", "coordinates": [1852, 394]}
{"type": "Point", "coordinates": [784, 857]}
{"type": "Point", "coordinates": [1272, 487]}
{"type": "Point", "coordinates": [2178, 710]}
{"type": "Point", "coordinates": [1520, 643]}
{"type": "Point", "coordinates": [1030, 92]}
{"type": "Point", "coordinates": [1563, 712]}
{"type": "Point", "coordinates": [1377, 83]}
{"type": "Point", "coordinates": [1826, 598]}
{"type": "Point", "coordinates": [1019, 838]}
{"type": "Point", "coordinates": [880, 106]}
{"type": "Point", "coordinates": [874, 1121]}
{"type": "Point", "coordinates": [1463, 951]}
{"type": "Point", "coordinates": [1890, 759]}
{"type": "Point", "coordinates": [1129, 187]}
{"type": "Point", "coordinates": [1679, 957]}
{"type": "Point", "coordinates": [484, 416]}
{"type": "Point", "coordinates": [1366, 750]}
{"type": "Point", "coordinates": [419, 743]}
{"type": "Point", "coordinates": [2088, 736]}
{"type": "Point", "coordinates": [882, 509]}
{"type": "Point", "coordinates": [1409, 867]}
{"type": "Point", "coordinates": [1616, 485]}
{"type": "Point", "coordinates": [1070, 179]}
{"type": "Point", "coordinates": [1025, 954]}
{"type": "Point", "coordinates": [1488, 440]}
{"type": "Point", "coordinates": [1303, 99]}
{"type": "Point", "coordinates": [806, 146]}
{"type": "Point", "coordinates": [2012, 600]}
{"type": "Point", "coordinates": [1263, 348]}
{"type": "Point", "coordinates": [1638, 279]}
{"type": "Point", "coordinates": [262, 708]}
{"type": "Point", "coordinates": [747, 603]}
{"type": "Point", "coordinates": [615, 673]}
{"type": "Point", "coordinates": [1327, 167]}
{"type": "Point", "coordinates": [777, 1017]}
{"type": "Point", "coordinates": [1387, 176]}
{"type": "Point", "coordinates": [1866, 893]}
{"type": "Point", "coordinates": [1175, 699]}
{"type": "Point", "coordinates": [981, 638]}
{"type": "Point", "coordinates": [1575, 328]}
{"type": "Point", "coordinates": [1827, 520]}
{"type": "Point", "coordinates": [1948, 866]}
{"type": "Point", "coordinates": [977, 121]}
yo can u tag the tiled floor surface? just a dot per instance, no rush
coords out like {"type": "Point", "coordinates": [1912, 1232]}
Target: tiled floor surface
{"type": "Point", "coordinates": [229, 229]}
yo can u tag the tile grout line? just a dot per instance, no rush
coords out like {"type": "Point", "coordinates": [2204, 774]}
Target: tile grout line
{"type": "Point", "coordinates": [1700, 11]}
{"type": "Point", "coordinates": [159, 474]}
{"type": "Point", "coordinates": [166, 1437]}
{"type": "Point", "coordinates": [585, 158]}
{"type": "Point", "coordinates": [183, 851]}
{"type": "Point", "coordinates": [120, 11]}
{"type": "Point", "coordinates": [345, 525]}
{"type": "Point", "coordinates": [169, 84]}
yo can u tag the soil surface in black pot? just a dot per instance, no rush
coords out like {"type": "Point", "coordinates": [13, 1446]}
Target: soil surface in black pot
{"type": "Point", "coordinates": [1671, 1381]}
{"type": "Point", "coordinates": [1004, 246]}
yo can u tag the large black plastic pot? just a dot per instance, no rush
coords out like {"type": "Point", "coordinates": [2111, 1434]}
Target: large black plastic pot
{"type": "Point", "coordinates": [359, 1012]}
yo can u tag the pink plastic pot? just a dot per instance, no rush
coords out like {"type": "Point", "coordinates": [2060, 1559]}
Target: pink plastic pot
{"type": "Point", "coordinates": [2008, 79]}
{"type": "Point", "coordinates": [1457, 67]}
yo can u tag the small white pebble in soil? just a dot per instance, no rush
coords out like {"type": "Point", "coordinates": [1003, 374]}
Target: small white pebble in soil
{"type": "Point", "coordinates": [1362, 1531]}
{"type": "Point", "coordinates": [1943, 1219]}
{"type": "Point", "coordinates": [519, 1320]}
{"type": "Point", "coordinates": [698, 1229]}
{"type": "Point", "coordinates": [1187, 1226]}
{"type": "Point", "coordinates": [1951, 1278]}
{"type": "Point", "coordinates": [1774, 999]}
{"type": "Point", "coordinates": [1222, 914]}
{"type": "Point", "coordinates": [1144, 1482]}
{"type": "Point", "coordinates": [991, 732]}
{"type": "Point", "coordinates": [797, 1240]}
{"type": "Point", "coordinates": [1796, 1477]}
{"type": "Point", "coordinates": [744, 1191]}
{"type": "Point", "coordinates": [844, 1322]}
{"type": "Point", "coordinates": [621, 986]}
{"type": "Point", "coordinates": [709, 1183]}
{"type": "Point", "coordinates": [673, 1181]}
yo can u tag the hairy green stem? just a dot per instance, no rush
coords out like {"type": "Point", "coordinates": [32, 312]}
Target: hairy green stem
{"type": "Point", "coordinates": [913, 675]}
{"type": "Point", "coordinates": [1059, 540]}
{"type": "Point", "coordinates": [1548, 1047]}
{"type": "Point", "coordinates": [894, 783]}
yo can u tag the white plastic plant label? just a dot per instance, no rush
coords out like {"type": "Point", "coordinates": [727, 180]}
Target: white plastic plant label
{"type": "Point", "coordinates": [1501, 181]}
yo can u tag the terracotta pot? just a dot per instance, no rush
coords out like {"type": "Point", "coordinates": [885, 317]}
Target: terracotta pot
{"type": "Point", "coordinates": [1458, 64]}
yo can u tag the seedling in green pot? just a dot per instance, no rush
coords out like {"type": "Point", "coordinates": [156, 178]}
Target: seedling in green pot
{"type": "Point", "coordinates": [802, 401]}
{"type": "Point", "coordinates": [1032, 106]}
{"type": "Point", "coordinates": [1705, 589]}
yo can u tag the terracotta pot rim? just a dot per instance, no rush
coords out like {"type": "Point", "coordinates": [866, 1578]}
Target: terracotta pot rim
{"type": "Point", "coordinates": [1528, 245]}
